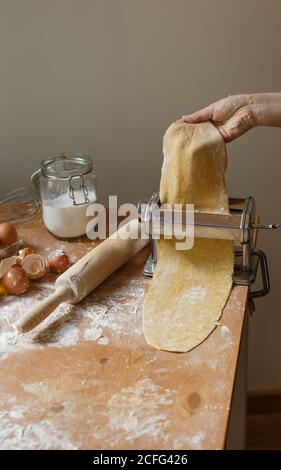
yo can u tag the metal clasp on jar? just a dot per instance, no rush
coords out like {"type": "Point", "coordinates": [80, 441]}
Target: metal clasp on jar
{"type": "Point", "coordinates": [76, 184]}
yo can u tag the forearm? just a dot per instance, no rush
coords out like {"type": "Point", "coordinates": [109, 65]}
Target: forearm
{"type": "Point", "coordinates": [265, 108]}
{"type": "Point", "coordinates": [270, 98]}
{"type": "Point", "coordinates": [267, 115]}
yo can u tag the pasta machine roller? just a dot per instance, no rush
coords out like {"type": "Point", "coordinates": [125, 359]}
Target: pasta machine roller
{"type": "Point", "coordinates": [240, 225]}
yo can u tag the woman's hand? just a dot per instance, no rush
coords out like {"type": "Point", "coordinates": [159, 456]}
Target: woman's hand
{"type": "Point", "coordinates": [235, 115]}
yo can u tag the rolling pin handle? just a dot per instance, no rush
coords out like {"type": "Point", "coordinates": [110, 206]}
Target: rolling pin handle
{"type": "Point", "coordinates": [89, 272]}
{"type": "Point", "coordinates": [43, 309]}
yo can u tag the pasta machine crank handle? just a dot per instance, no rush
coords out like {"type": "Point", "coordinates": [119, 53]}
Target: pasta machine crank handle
{"type": "Point", "coordinates": [265, 226]}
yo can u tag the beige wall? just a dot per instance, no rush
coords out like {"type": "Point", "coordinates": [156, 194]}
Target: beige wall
{"type": "Point", "coordinates": [106, 77]}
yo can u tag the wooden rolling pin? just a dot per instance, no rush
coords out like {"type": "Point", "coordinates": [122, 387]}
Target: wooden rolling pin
{"type": "Point", "coordinates": [85, 275]}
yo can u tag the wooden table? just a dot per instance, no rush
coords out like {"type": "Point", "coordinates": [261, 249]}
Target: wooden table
{"type": "Point", "coordinates": [86, 379]}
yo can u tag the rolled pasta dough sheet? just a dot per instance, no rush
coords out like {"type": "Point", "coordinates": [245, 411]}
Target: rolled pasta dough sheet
{"type": "Point", "coordinates": [190, 287]}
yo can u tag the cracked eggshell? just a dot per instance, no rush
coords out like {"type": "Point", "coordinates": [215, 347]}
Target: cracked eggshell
{"type": "Point", "coordinates": [25, 251]}
{"type": "Point", "coordinates": [34, 266]}
{"type": "Point", "coordinates": [10, 250]}
{"type": "Point", "coordinates": [7, 263]}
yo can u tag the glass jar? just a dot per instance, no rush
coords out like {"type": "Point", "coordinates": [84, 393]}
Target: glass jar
{"type": "Point", "coordinates": [67, 185]}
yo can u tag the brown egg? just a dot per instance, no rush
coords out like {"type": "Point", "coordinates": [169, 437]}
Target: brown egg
{"type": "Point", "coordinates": [8, 234]}
{"type": "Point", "coordinates": [15, 280]}
{"type": "Point", "coordinates": [58, 262]}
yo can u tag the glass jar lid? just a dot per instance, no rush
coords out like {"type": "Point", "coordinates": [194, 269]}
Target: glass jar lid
{"type": "Point", "coordinates": [65, 166]}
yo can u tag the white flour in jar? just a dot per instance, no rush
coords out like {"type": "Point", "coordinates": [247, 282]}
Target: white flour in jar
{"type": "Point", "coordinates": [65, 220]}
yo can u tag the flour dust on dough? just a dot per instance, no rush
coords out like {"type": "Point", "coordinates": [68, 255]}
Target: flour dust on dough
{"type": "Point", "coordinates": [190, 287]}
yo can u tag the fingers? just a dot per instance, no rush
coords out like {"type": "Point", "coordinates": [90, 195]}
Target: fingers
{"type": "Point", "coordinates": [219, 111]}
{"type": "Point", "coordinates": [200, 116]}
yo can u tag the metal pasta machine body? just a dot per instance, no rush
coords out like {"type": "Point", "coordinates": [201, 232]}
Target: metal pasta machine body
{"type": "Point", "coordinates": [240, 225]}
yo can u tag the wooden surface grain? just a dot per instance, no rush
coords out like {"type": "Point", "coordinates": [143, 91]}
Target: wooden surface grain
{"type": "Point", "coordinates": [86, 379]}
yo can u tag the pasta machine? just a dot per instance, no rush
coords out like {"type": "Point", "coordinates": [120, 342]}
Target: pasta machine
{"type": "Point", "coordinates": [240, 225]}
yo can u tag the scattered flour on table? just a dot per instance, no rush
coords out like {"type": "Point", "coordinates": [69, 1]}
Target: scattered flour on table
{"type": "Point", "coordinates": [37, 388]}
{"type": "Point", "coordinates": [22, 426]}
{"type": "Point", "coordinates": [102, 318]}
{"type": "Point", "coordinates": [104, 341]}
{"type": "Point", "coordinates": [224, 329]}
{"type": "Point", "coordinates": [136, 411]}
{"type": "Point", "coordinates": [93, 333]}
{"type": "Point", "coordinates": [194, 442]}
{"type": "Point", "coordinates": [42, 435]}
